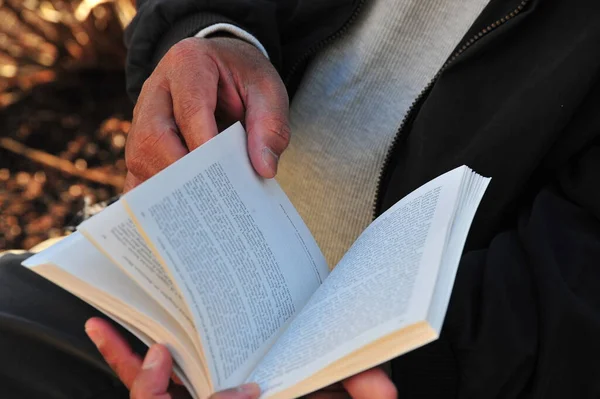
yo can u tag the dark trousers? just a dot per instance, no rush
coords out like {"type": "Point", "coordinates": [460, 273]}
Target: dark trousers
{"type": "Point", "coordinates": [44, 351]}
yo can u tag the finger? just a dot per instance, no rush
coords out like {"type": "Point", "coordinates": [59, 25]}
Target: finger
{"type": "Point", "coordinates": [153, 379]}
{"type": "Point", "coordinates": [194, 92]}
{"type": "Point", "coordinates": [246, 391]}
{"type": "Point", "coordinates": [115, 350]}
{"type": "Point", "coordinates": [267, 124]}
{"type": "Point", "coordinates": [230, 107]}
{"type": "Point", "coordinates": [371, 384]}
{"type": "Point", "coordinates": [153, 142]}
{"type": "Point", "coordinates": [130, 182]}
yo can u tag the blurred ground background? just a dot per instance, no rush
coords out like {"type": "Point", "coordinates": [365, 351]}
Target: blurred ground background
{"type": "Point", "coordinates": [64, 114]}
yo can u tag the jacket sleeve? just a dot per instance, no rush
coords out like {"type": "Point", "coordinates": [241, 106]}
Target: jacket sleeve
{"type": "Point", "coordinates": [524, 317]}
{"type": "Point", "coordinates": [159, 24]}
{"type": "Point", "coordinates": [286, 29]}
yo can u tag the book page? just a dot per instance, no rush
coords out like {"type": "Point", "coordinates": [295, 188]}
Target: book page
{"type": "Point", "coordinates": [112, 231]}
{"type": "Point", "coordinates": [471, 195]}
{"type": "Point", "coordinates": [235, 246]}
{"type": "Point", "coordinates": [77, 266]}
{"type": "Point", "coordinates": [383, 284]}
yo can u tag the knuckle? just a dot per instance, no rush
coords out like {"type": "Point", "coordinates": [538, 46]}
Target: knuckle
{"type": "Point", "coordinates": [138, 105]}
{"type": "Point", "coordinates": [190, 106]}
{"type": "Point", "coordinates": [271, 84]}
{"type": "Point", "coordinates": [184, 50]}
{"type": "Point", "coordinates": [131, 156]}
{"type": "Point", "coordinates": [277, 128]}
{"type": "Point", "coordinates": [129, 182]}
{"type": "Point", "coordinates": [140, 149]}
{"type": "Point", "coordinates": [149, 83]}
{"type": "Point", "coordinates": [149, 87]}
{"type": "Point", "coordinates": [134, 165]}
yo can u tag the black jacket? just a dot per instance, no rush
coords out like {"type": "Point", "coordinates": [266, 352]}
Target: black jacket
{"type": "Point", "coordinates": [519, 100]}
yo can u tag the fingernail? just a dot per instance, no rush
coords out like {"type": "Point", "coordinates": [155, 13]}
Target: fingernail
{"type": "Point", "coordinates": [153, 357]}
{"type": "Point", "coordinates": [252, 390]}
{"type": "Point", "coordinates": [270, 159]}
{"type": "Point", "coordinates": [95, 336]}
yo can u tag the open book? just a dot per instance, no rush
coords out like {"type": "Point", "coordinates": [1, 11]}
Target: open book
{"type": "Point", "coordinates": [213, 261]}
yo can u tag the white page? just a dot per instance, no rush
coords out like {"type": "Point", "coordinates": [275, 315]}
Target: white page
{"type": "Point", "coordinates": [383, 283]}
{"type": "Point", "coordinates": [80, 259]}
{"type": "Point", "coordinates": [77, 256]}
{"type": "Point", "coordinates": [475, 186]}
{"type": "Point", "coordinates": [237, 249]}
{"type": "Point", "coordinates": [113, 231]}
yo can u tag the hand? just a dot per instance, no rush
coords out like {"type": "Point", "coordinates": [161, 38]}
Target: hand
{"type": "Point", "coordinates": [200, 86]}
{"type": "Point", "coordinates": [370, 384]}
{"type": "Point", "coordinates": [148, 379]}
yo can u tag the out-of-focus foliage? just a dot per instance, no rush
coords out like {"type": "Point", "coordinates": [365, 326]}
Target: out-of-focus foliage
{"type": "Point", "coordinates": [64, 115]}
{"type": "Point", "coordinates": [41, 38]}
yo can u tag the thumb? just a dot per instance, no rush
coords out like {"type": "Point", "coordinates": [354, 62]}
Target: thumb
{"type": "Point", "coordinates": [267, 124]}
{"type": "Point", "coordinates": [152, 381]}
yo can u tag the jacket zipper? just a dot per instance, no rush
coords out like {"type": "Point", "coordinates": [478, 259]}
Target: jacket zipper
{"type": "Point", "coordinates": [318, 46]}
{"type": "Point", "coordinates": [415, 104]}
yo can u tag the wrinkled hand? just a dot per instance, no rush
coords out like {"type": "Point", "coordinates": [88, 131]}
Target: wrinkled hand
{"type": "Point", "coordinates": [148, 378]}
{"type": "Point", "coordinates": [200, 87]}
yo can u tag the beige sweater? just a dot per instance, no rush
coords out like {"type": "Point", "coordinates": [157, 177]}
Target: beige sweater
{"type": "Point", "coordinates": [351, 103]}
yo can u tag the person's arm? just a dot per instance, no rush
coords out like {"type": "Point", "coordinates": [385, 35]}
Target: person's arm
{"type": "Point", "coordinates": [187, 89]}
{"type": "Point", "coordinates": [286, 30]}
{"type": "Point", "coordinates": [199, 87]}
{"type": "Point", "coordinates": [192, 88]}
{"type": "Point", "coordinates": [159, 25]}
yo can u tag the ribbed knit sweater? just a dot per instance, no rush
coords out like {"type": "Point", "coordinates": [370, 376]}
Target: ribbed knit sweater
{"type": "Point", "coordinates": [351, 103]}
